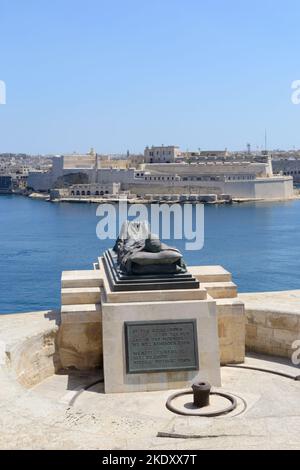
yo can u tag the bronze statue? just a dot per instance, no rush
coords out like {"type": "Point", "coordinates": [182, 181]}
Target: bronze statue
{"type": "Point", "coordinates": [139, 252]}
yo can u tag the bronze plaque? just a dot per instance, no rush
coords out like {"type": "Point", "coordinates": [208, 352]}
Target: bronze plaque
{"type": "Point", "coordinates": [161, 346]}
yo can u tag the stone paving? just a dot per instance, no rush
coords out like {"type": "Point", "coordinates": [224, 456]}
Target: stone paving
{"type": "Point", "coordinates": [59, 414]}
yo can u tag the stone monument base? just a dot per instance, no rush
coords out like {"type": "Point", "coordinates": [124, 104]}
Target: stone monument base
{"type": "Point", "coordinates": [80, 338]}
{"type": "Point", "coordinates": [117, 377]}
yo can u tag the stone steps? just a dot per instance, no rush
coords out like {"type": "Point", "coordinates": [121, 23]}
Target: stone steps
{"type": "Point", "coordinates": [220, 290]}
{"type": "Point", "coordinates": [80, 295]}
{"type": "Point", "coordinates": [231, 306]}
{"type": "Point", "coordinates": [150, 296]}
{"type": "Point", "coordinates": [88, 278]}
{"type": "Point", "coordinates": [81, 313]}
{"type": "Point", "coordinates": [210, 273]}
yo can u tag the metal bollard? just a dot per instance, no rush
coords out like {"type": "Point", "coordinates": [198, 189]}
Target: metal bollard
{"type": "Point", "coordinates": [201, 392]}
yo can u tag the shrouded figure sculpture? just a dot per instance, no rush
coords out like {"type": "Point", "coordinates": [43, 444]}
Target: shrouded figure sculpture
{"type": "Point", "coordinates": [140, 252]}
{"type": "Point", "coordinates": [140, 261]}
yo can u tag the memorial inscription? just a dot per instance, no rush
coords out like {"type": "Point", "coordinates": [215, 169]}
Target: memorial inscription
{"type": "Point", "coordinates": [161, 346]}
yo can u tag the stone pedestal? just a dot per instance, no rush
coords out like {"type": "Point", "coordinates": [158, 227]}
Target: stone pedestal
{"type": "Point", "coordinates": [114, 317]}
{"type": "Point", "coordinates": [87, 297]}
{"type": "Point", "coordinates": [162, 314]}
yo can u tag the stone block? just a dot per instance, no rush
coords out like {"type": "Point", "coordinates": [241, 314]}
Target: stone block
{"type": "Point", "coordinates": [82, 313]}
{"type": "Point", "coordinates": [231, 307]}
{"type": "Point", "coordinates": [284, 322]}
{"type": "Point", "coordinates": [85, 278]}
{"type": "Point", "coordinates": [251, 332]}
{"type": "Point", "coordinates": [219, 290]}
{"type": "Point", "coordinates": [286, 336]}
{"type": "Point", "coordinates": [210, 273]}
{"type": "Point", "coordinates": [256, 317]}
{"type": "Point", "coordinates": [80, 345]}
{"type": "Point", "coordinates": [231, 328]}
{"type": "Point", "coordinates": [115, 372]}
{"type": "Point", "coordinates": [80, 295]}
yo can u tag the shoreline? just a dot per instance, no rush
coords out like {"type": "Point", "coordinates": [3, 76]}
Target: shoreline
{"type": "Point", "coordinates": [97, 200]}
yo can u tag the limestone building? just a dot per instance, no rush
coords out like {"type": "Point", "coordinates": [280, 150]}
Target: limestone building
{"type": "Point", "coordinates": [162, 154]}
{"type": "Point", "coordinates": [241, 180]}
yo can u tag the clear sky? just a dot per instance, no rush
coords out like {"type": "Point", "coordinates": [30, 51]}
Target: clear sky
{"type": "Point", "coordinates": [122, 74]}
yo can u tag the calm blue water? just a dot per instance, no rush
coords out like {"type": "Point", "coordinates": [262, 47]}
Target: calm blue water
{"type": "Point", "coordinates": [259, 243]}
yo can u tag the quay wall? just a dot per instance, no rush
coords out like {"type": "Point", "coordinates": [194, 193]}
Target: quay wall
{"type": "Point", "coordinates": [259, 188]}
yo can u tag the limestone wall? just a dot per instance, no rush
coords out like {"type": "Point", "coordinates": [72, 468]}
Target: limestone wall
{"type": "Point", "coordinates": [264, 188]}
{"type": "Point", "coordinates": [231, 328]}
{"type": "Point", "coordinates": [272, 322]}
{"type": "Point", "coordinates": [29, 346]}
{"type": "Point", "coordinates": [273, 188]}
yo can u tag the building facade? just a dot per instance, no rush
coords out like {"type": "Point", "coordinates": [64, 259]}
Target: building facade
{"type": "Point", "coordinates": [288, 167]}
{"type": "Point", "coordinates": [240, 179]}
{"type": "Point", "coordinates": [162, 154]}
{"type": "Point", "coordinates": [94, 189]}
{"type": "Point", "coordinates": [6, 184]}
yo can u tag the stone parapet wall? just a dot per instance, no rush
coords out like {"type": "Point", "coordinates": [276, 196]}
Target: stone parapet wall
{"type": "Point", "coordinates": [272, 322]}
{"type": "Point", "coordinates": [29, 346]}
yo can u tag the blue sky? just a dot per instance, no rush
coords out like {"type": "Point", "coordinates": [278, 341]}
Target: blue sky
{"type": "Point", "coordinates": [122, 74]}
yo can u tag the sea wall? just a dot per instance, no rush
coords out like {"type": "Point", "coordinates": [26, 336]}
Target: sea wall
{"type": "Point", "coordinates": [260, 188]}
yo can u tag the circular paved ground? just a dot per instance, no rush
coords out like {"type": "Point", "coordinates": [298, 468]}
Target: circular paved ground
{"type": "Point", "coordinates": [59, 414]}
